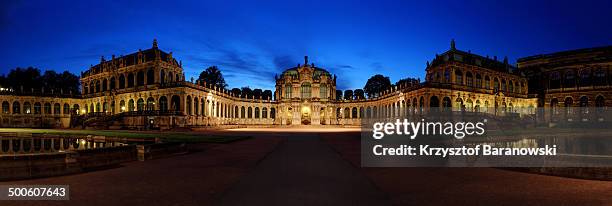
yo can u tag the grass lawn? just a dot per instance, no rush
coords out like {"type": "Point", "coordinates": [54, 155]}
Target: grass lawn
{"type": "Point", "coordinates": [165, 136]}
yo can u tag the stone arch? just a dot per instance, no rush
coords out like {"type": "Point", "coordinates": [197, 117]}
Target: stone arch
{"type": "Point", "coordinates": [150, 104]}
{"type": "Point", "coordinates": [163, 103]}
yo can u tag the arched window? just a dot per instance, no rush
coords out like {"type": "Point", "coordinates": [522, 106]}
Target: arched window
{"type": "Point", "coordinates": [140, 78]}
{"type": "Point", "coordinates": [105, 107]}
{"type": "Point", "coordinates": [600, 101]}
{"type": "Point", "coordinates": [347, 113]}
{"type": "Point", "coordinates": [16, 108]}
{"type": "Point", "coordinates": [555, 80]}
{"type": "Point", "coordinates": [511, 86]}
{"type": "Point", "coordinates": [75, 109]}
{"type": "Point", "coordinates": [121, 81]}
{"type": "Point", "coordinates": [112, 83]}
{"type": "Point", "coordinates": [175, 103]}
{"type": "Point", "coordinates": [150, 104]}
{"type": "Point", "coordinates": [272, 113]}
{"type": "Point", "coordinates": [66, 108]}
{"type": "Point", "coordinates": [47, 108]}
{"type": "Point", "coordinates": [130, 80]}
{"type": "Point", "coordinates": [256, 112]}
{"type": "Point", "coordinates": [242, 112]}
{"type": "Point", "coordinates": [568, 104]}
{"type": "Point", "coordinates": [305, 90]}
{"type": "Point", "coordinates": [469, 79]}
{"type": "Point", "coordinates": [5, 107]}
{"type": "Point", "coordinates": [37, 108]}
{"type": "Point", "coordinates": [150, 77]}
{"type": "Point", "coordinates": [458, 77]}
{"type": "Point", "coordinates": [354, 113]}
{"type": "Point", "coordinates": [478, 81]}
{"type": "Point", "coordinates": [104, 85]}
{"type": "Point", "coordinates": [434, 102]}
{"type": "Point", "coordinates": [487, 82]}
{"type": "Point", "coordinates": [288, 91]}
{"type": "Point", "coordinates": [98, 86]}
{"type": "Point", "coordinates": [361, 112]}
{"type": "Point", "coordinates": [27, 108]}
{"type": "Point", "coordinates": [495, 84]}
{"type": "Point", "coordinates": [447, 76]}
{"type": "Point", "coordinates": [599, 77]}
{"type": "Point", "coordinates": [264, 112]}
{"type": "Point", "coordinates": [250, 113]}
{"type": "Point", "coordinates": [570, 79]}
{"type": "Point", "coordinates": [585, 77]}
{"type": "Point", "coordinates": [163, 104]}
{"type": "Point", "coordinates": [131, 105]}
{"type": "Point", "coordinates": [323, 91]}
{"type": "Point", "coordinates": [57, 109]}
{"type": "Point", "coordinates": [188, 104]}
{"type": "Point", "coordinates": [236, 112]}
{"type": "Point", "coordinates": [584, 101]}
{"type": "Point", "coordinates": [195, 106]}
{"type": "Point", "coordinates": [503, 85]}
{"type": "Point", "coordinates": [98, 108]}
{"type": "Point", "coordinates": [162, 76]}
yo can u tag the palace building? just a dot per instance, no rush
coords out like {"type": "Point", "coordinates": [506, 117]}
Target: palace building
{"type": "Point", "coordinates": [147, 90]}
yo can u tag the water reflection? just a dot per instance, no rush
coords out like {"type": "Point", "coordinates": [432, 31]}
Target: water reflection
{"type": "Point", "coordinates": [11, 144]}
{"type": "Point", "coordinates": [565, 145]}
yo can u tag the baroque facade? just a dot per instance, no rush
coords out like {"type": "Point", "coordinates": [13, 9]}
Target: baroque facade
{"type": "Point", "coordinates": [147, 89]}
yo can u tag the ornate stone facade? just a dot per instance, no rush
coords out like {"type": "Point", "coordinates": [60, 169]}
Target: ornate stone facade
{"type": "Point", "coordinates": [147, 89]}
{"type": "Point", "coordinates": [570, 82]}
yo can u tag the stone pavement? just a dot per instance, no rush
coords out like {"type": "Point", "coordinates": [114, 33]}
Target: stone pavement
{"type": "Point", "coordinates": [304, 171]}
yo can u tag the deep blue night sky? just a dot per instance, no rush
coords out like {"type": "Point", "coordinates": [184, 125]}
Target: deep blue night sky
{"type": "Point", "coordinates": [251, 41]}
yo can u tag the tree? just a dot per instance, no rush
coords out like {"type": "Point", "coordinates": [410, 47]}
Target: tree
{"type": "Point", "coordinates": [407, 82]}
{"type": "Point", "coordinates": [236, 92]}
{"type": "Point", "coordinates": [30, 78]}
{"type": "Point", "coordinates": [267, 94]}
{"type": "Point", "coordinates": [359, 94]}
{"type": "Point", "coordinates": [257, 93]}
{"type": "Point", "coordinates": [348, 94]}
{"type": "Point", "coordinates": [246, 93]}
{"type": "Point", "coordinates": [377, 84]}
{"type": "Point", "coordinates": [212, 76]}
{"type": "Point", "coordinates": [338, 94]}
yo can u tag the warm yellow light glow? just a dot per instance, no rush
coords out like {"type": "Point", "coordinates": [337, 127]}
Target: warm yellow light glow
{"type": "Point", "coordinates": [123, 108]}
{"type": "Point", "coordinates": [306, 110]}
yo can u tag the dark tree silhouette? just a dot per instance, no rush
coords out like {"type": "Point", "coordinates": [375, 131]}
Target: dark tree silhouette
{"type": "Point", "coordinates": [377, 84]}
{"type": "Point", "coordinates": [348, 94]}
{"type": "Point", "coordinates": [257, 93]}
{"type": "Point", "coordinates": [338, 94]}
{"type": "Point", "coordinates": [359, 94]}
{"type": "Point", "coordinates": [267, 94]}
{"type": "Point", "coordinates": [246, 93]}
{"type": "Point", "coordinates": [212, 76]}
{"type": "Point", "coordinates": [236, 92]}
{"type": "Point", "coordinates": [31, 79]}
